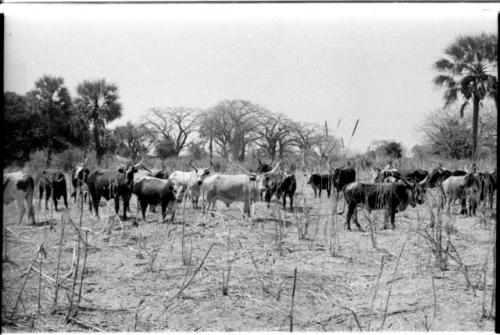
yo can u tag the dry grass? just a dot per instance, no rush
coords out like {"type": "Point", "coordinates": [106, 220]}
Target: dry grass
{"type": "Point", "coordinates": [236, 274]}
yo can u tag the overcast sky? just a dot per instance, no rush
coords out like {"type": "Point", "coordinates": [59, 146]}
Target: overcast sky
{"type": "Point", "coordinates": [313, 62]}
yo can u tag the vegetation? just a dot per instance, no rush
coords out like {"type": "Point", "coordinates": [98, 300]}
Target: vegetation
{"type": "Point", "coordinates": [467, 70]}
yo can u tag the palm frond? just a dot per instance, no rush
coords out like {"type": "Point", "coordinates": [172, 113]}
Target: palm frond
{"type": "Point", "coordinates": [442, 79]}
{"type": "Point", "coordinates": [444, 65]}
{"type": "Point", "coordinates": [462, 108]}
{"type": "Point", "coordinates": [450, 96]}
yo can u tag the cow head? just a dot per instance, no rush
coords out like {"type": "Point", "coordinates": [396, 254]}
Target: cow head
{"type": "Point", "coordinates": [263, 167]}
{"type": "Point", "coordinates": [129, 171]}
{"type": "Point", "coordinates": [263, 179]}
{"type": "Point", "coordinates": [436, 176]}
{"type": "Point", "coordinates": [471, 179]}
{"type": "Point", "coordinates": [201, 174]}
{"type": "Point", "coordinates": [177, 190]}
{"type": "Point", "coordinates": [416, 192]}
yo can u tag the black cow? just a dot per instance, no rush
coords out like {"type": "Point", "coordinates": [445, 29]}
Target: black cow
{"type": "Point", "coordinates": [321, 182]}
{"type": "Point", "coordinates": [393, 197]}
{"type": "Point", "coordinates": [342, 177]}
{"type": "Point", "coordinates": [154, 191]}
{"type": "Point", "coordinates": [488, 186]}
{"type": "Point", "coordinates": [112, 184]}
{"type": "Point", "coordinates": [53, 182]}
{"type": "Point", "coordinates": [438, 175]}
{"type": "Point", "coordinates": [287, 187]}
{"type": "Point", "coordinates": [416, 175]}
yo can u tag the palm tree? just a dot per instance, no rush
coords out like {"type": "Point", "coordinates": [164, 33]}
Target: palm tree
{"type": "Point", "coordinates": [98, 102]}
{"type": "Point", "coordinates": [466, 70]}
{"type": "Point", "coordinates": [51, 100]}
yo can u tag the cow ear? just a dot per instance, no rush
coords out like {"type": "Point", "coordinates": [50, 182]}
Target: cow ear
{"type": "Point", "coordinates": [121, 170]}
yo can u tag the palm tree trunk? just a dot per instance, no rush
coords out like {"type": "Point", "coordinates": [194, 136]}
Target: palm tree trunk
{"type": "Point", "coordinates": [475, 123]}
{"type": "Point", "coordinates": [97, 143]}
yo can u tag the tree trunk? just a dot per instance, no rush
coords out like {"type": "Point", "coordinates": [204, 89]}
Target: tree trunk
{"type": "Point", "coordinates": [97, 143]}
{"type": "Point", "coordinates": [475, 122]}
{"type": "Point", "coordinates": [210, 148]}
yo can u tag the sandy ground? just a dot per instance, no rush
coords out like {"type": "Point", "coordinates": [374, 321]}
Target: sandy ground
{"type": "Point", "coordinates": [158, 276]}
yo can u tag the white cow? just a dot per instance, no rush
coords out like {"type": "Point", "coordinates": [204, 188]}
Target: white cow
{"type": "Point", "coordinates": [233, 188]}
{"type": "Point", "coordinates": [20, 186]}
{"type": "Point", "coordinates": [191, 181]}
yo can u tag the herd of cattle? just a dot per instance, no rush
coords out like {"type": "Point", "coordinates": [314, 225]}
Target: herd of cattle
{"type": "Point", "coordinates": [391, 190]}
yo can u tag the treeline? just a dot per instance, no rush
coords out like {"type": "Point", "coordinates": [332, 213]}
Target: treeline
{"type": "Point", "coordinates": [47, 118]}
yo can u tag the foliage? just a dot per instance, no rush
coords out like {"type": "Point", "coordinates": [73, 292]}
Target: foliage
{"type": "Point", "coordinates": [132, 140]}
{"type": "Point", "coordinates": [196, 150]}
{"type": "Point", "coordinates": [98, 104]}
{"type": "Point", "coordinates": [59, 126]}
{"type": "Point", "coordinates": [467, 70]}
{"type": "Point", "coordinates": [381, 149]}
{"type": "Point", "coordinates": [165, 148]}
{"type": "Point", "coordinates": [447, 135]}
{"type": "Point", "coordinates": [22, 133]}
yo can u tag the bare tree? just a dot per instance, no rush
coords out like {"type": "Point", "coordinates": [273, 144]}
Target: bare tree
{"type": "Point", "coordinates": [232, 125]}
{"type": "Point", "coordinates": [327, 146]}
{"type": "Point", "coordinates": [305, 138]}
{"type": "Point", "coordinates": [173, 125]}
{"type": "Point", "coordinates": [274, 131]}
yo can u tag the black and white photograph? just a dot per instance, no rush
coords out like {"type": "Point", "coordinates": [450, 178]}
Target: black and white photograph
{"type": "Point", "coordinates": [215, 167]}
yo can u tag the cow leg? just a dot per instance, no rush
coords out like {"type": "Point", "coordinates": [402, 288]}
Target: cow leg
{"type": "Point", "coordinates": [95, 202]}
{"type": "Point", "coordinates": [463, 210]}
{"type": "Point", "coordinates": [65, 198]}
{"type": "Point", "coordinates": [48, 192]}
{"type": "Point", "coordinates": [320, 191]}
{"type": "Point", "coordinates": [144, 205]}
{"type": "Point", "coordinates": [386, 218]}
{"type": "Point", "coordinates": [291, 202]}
{"type": "Point", "coordinates": [350, 211]}
{"type": "Point", "coordinates": [40, 191]}
{"type": "Point", "coordinates": [126, 205]}
{"type": "Point", "coordinates": [54, 199]}
{"type": "Point", "coordinates": [393, 217]}
{"type": "Point", "coordinates": [329, 191]}
{"type": "Point", "coordinates": [284, 201]}
{"type": "Point", "coordinates": [20, 209]}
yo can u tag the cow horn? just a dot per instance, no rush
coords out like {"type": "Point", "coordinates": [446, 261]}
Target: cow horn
{"type": "Point", "coordinates": [191, 165]}
{"type": "Point", "coordinates": [243, 169]}
{"type": "Point", "coordinates": [465, 168]}
{"type": "Point", "coordinates": [85, 162]}
{"type": "Point", "coordinates": [140, 164]}
{"type": "Point", "coordinates": [424, 180]}
{"type": "Point", "coordinates": [273, 170]}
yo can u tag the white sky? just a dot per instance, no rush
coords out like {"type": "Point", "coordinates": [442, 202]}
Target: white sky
{"type": "Point", "coordinates": [313, 62]}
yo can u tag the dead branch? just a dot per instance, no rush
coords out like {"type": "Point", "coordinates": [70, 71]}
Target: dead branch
{"type": "Point", "coordinates": [195, 272]}
{"type": "Point", "coordinates": [293, 298]}
{"type": "Point", "coordinates": [392, 282]}
{"type": "Point", "coordinates": [59, 252]}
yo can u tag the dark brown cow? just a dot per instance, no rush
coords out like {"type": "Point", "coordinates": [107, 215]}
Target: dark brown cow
{"type": "Point", "coordinates": [393, 197]}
